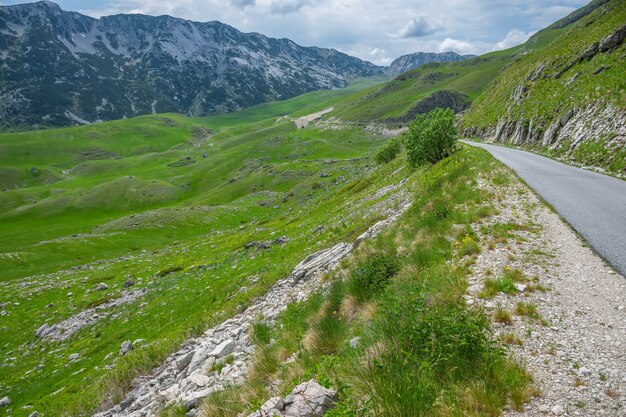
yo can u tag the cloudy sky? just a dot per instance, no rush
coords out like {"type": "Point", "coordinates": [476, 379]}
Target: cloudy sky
{"type": "Point", "coordinates": [374, 30]}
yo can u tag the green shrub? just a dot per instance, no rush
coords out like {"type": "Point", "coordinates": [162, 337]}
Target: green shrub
{"type": "Point", "coordinates": [372, 276]}
{"type": "Point", "coordinates": [426, 349]}
{"type": "Point", "coordinates": [388, 152]}
{"type": "Point", "coordinates": [327, 335]}
{"type": "Point", "coordinates": [431, 137]}
{"type": "Point", "coordinates": [261, 334]}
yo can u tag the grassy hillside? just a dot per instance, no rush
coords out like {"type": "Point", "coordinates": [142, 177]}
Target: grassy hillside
{"type": "Point", "coordinates": [395, 100]}
{"type": "Point", "coordinates": [562, 71]}
{"type": "Point", "coordinates": [160, 209]}
{"type": "Point", "coordinates": [393, 332]}
{"type": "Point", "coordinates": [548, 93]}
{"type": "Point", "coordinates": [167, 204]}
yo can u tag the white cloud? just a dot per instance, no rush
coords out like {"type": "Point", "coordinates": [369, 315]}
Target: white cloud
{"type": "Point", "coordinates": [513, 38]}
{"type": "Point", "coordinates": [418, 27]}
{"type": "Point", "coordinates": [289, 6]}
{"type": "Point", "coordinates": [357, 27]}
{"type": "Point", "coordinates": [242, 4]}
{"type": "Point", "coordinates": [456, 45]}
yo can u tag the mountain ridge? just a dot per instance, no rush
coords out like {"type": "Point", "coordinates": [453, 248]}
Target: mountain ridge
{"type": "Point", "coordinates": [65, 68]}
{"type": "Point", "coordinates": [408, 62]}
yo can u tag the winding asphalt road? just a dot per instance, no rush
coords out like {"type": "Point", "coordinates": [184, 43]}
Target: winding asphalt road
{"type": "Point", "coordinates": [592, 203]}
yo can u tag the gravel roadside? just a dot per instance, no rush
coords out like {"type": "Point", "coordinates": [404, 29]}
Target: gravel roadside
{"type": "Point", "coordinates": [574, 345]}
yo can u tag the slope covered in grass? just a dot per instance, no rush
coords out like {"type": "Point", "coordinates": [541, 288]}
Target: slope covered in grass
{"type": "Point", "coordinates": [432, 85]}
{"type": "Point", "coordinates": [162, 206]}
{"type": "Point", "coordinates": [567, 90]}
{"type": "Point", "coordinates": [392, 330]}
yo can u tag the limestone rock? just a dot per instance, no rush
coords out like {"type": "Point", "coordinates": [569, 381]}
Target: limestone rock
{"type": "Point", "coordinates": [184, 361]}
{"type": "Point", "coordinates": [126, 347]}
{"type": "Point", "coordinates": [308, 399]}
{"type": "Point", "coordinates": [171, 393]}
{"type": "Point", "coordinates": [354, 342]}
{"type": "Point", "coordinates": [589, 52]}
{"type": "Point", "coordinates": [43, 330]}
{"type": "Point", "coordinates": [613, 40]}
{"type": "Point", "coordinates": [281, 240]}
{"type": "Point", "coordinates": [199, 379]}
{"type": "Point", "coordinates": [558, 410]}
{"type": "Point", "coordinates": [223, 349]}
{"type": "Point", "coordinates": [5, 401]}
{"type": "Point", "coordinates": [102, 286]}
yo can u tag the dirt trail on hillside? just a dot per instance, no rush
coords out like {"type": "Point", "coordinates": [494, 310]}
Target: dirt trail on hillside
{"type": "Point", "coordinates": [302, 122]}
{"type": "Point", "coordinates": [574, 347]}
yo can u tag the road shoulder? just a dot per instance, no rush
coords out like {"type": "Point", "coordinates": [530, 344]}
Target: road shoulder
{"type": "Point", "coordinates": [562, 310]}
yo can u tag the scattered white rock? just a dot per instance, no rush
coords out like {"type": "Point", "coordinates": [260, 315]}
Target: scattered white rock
{"type": "Point", "coordinates": [558, 410]}
{"type": "Point", "coordinates": [126, 347]}
{"type": "Point", "coordinates": [308, 399]}
{"type": "Point", "coordinates": [185, 377]}
{"type": "Point", "coordinates": [354, 342]}
{"type": "Point", "coordinates": [199, 379]}
{"type": "Point", "coordinates": [223, 349]}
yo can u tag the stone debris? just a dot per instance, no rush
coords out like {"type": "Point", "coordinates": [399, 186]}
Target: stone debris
{"type": "Point", "coordinates": [102, 286]}
{"type": "Point", "coordinates": [126, 347]}
{"type": "Point", "coordinates": [614, 40]}
{"type": "Point", "coordinates": [303, 121]}
{"type": "Point", "coordinates": [189, 375]}
{"type": "Point", "coordinates": [267, 244]}
{"type": "Point", "coordinates": [382, 224]}
{"type": "Point", "coordinates": [4, 402]}
{"type": "Point", "coordinates": [68, 327]}
{"type": "Point", "coordinates": [308, 399]}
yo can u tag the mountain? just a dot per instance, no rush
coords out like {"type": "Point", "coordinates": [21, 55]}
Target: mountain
{"type": "Point", "coordinates": [436, 84]}
{"type": "Point", "coordinates": [61, 68]}
{"type": "Point", "coordinates": [408, 62]}
{"type": "Point", "coordinates": [564, 93]}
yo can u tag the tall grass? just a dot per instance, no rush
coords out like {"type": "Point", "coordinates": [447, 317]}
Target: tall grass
{"type": "Point", "coordinates": [416, 348]}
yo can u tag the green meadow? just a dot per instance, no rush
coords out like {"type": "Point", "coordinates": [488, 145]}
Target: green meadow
{"type": "Point", "coordinates": [165, 203]}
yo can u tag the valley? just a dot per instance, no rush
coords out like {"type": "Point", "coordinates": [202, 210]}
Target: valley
{"type": "Point", "coordinates": [226, 254]}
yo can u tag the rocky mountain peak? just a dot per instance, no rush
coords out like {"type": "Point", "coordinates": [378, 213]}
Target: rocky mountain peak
{"type": "Point", "coordinates": [63, 68]}
{"type": "Point", "coordinates": [411, 61]}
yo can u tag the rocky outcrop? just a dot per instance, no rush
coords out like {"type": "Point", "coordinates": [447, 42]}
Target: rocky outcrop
{"type": "Point", "coordinates": [192, 373]}
{"type": "Point", "coordinates": [68, 327]}
{"type": "Point", "coordinates": [607, 45]}
{"type": "Point", "coordinates": [308, 399]}
{"type": "Point", "coordinates": [614, 40]}
{"type": "Point", "coordinates": [454, 100]}
{"type": "Point", "coordinates": [599, 122]}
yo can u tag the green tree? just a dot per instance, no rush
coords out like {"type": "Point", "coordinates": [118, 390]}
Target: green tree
{"type": "Point", "coordinates": [431, 137]}
{"type": "Point", "coordinates": [388, 151]}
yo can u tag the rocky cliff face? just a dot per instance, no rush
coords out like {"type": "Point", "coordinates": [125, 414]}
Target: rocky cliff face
{"type": "Point", "coordinates": [594, 136]}
{"type": "Point", "coordinates": [61, 68]}
{"type": "Point", "coordinates": [411, 61]}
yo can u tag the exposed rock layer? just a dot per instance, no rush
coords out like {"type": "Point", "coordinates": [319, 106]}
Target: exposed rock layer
{"type": "Point", "coordinates": [190, 374]}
